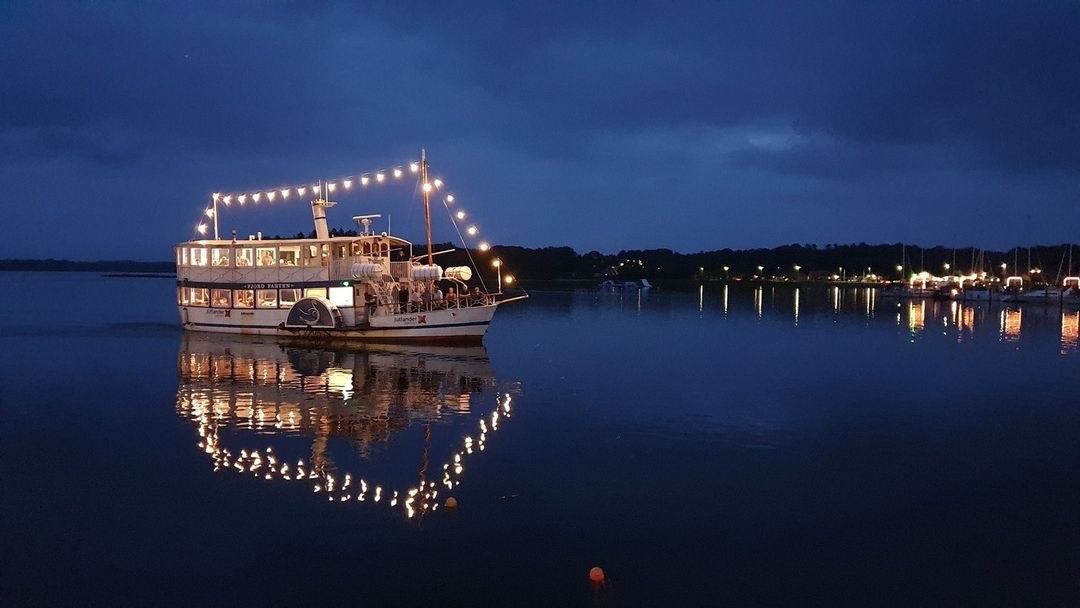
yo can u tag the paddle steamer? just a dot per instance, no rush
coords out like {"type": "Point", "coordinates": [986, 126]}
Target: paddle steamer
{"type": "Point", "coordinates": [368, 287]}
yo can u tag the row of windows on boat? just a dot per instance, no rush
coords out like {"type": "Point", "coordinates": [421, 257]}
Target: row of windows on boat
{"type": "Point", "coordinates": [260, 298]}
{"type": "Point", "coordinates": [285, 255]}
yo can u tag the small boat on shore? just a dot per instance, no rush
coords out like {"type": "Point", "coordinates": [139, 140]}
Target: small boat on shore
{"type": "Point", "coordinates": [367, 287]}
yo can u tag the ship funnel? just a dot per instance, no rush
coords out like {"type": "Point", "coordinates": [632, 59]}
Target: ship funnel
{"type": "Point", "coordinates": [318, 211]}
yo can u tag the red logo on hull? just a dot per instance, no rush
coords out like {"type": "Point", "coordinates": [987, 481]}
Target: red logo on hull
{"type": "Point", "coordinates": [421, 319]}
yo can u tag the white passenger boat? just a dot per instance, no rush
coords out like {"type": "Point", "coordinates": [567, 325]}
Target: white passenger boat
{"type": "Point", "coordinates": [369, 287]}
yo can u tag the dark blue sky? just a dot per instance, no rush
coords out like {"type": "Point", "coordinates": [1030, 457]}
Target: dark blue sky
{"type": "Point", "coordinates": [601, 126]}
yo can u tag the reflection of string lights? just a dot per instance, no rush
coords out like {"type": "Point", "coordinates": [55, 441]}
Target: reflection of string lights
{"type": "Point", "coordinates": [212, 408]}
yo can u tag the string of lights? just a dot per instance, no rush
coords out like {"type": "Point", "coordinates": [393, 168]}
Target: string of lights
{"type": "Point", "coordinates": [363, 180]}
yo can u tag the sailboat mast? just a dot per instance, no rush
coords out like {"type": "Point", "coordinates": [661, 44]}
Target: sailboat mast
{"type": "Point", "coordinates": [426, 188]}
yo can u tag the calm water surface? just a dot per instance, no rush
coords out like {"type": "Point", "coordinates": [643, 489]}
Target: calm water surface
{"type": "Point", "coordinates": [712, 447]}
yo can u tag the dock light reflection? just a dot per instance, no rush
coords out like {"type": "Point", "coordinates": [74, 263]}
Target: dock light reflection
{"type": "Point", "coordinates": [346, 408]}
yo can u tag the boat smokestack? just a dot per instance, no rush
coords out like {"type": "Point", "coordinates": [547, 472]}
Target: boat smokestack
{"type": "Point", "coordinates": [318, 211]}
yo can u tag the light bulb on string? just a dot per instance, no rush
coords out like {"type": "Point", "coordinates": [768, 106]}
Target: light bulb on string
{"type": "Point", "coordinates": [209, 213]}
{"type": "Point", "coordinates": [216, 196]}
{"type": "Point", "coordinates": [397, 173]}
{"type": "Point", "coordinates": [284, 194]}
{"type": "Point", "coordinates": [484, 246]}
{"type": "Point", "coordinates": [449, 198]}
{"type": "Point", "coordinates": [379, 177]}
{"type": "Point", "coordinates": [242, 198]}
{"type": "Point", "coordinates": [301, 191]}
{"type": "Point", "coordinates": [460, 215]}
{"type": "Point", "coordinates": [437, 182]}
{"type": "Point", "coordinates": [348, 184]}
{"type": "Point", "coordinates": [427, 187]}
{"type": "Point", "coordinates": [414, 167]}
{"type": "Point", "coordinates": [330, 187]}
{"type": "Point", "coordinates": [364, 180]}
{"type": "Point", "coordinates": [472, 230]}
{"type": "Point", "coordinates": [316, 189]}
{"type": "Point", "coordinates": [255, 197]}
{"type": "Point", "coordinates": [201, 228]}
{"type": "Point", "coordinates": [270, 195]}
{"type": "Point", "coordinates": [227, 199]}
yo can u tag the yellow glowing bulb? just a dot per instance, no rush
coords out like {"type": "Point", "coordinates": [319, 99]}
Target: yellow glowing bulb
{"type": "Point", "coordinates": [316, 189]}
{"type": "Point", "coordinates": [285, 193]}
{"type": "Point", "coordinates": [256, 196]}
{"type": "Point", "coordinates": [301, 191]}
{"type": "Point", "coordinates": [379, 177]}
{"type": "Point", "coordinates": [484, 246]}
{"type": "Point", "coordinates": [331, 187]}
{"type": "Point", "coordinates": [227, 199]}
{"type": "Point", "coordinates": [449, 198]}
{"type": "Point", "coordinates": [270, 196]}
{"type": "Point", "coordinates": [397, 173]}
{"type": "Point", "coordinates": [414, 167]}
{"type": "Point", "coordinates": [209, 213]}
{"type": "Point", "coordinates": [438, 183]}
{"type": "Point", "coordinates": [201, 228]}
{"type": "Point", "coordinates": [348, 184]}
{"type": "Point", "coordinates": [460, 215]}
{"type": "Point", "coordinates": [508, 279]}
{"type": "Point", "coordinates": [217, 195]}
{"type": "Point", "coordinates": [364, 180]}
{"type": "Point", "coordinates": [496, 263]}
{"type": "Point", "coordinates": [472, 231]}
{"type": "Point", "coordinates": [427, 187]}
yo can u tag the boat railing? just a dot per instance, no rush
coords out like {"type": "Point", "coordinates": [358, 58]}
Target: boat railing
{"type": "Point", "coordinates": [401, 270]}
{"type": "Point", "coordinates": [445, 304]}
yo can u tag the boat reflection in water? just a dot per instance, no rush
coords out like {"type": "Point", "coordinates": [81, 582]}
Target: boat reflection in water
{"type": "Point", "coordinates": [320, 418]}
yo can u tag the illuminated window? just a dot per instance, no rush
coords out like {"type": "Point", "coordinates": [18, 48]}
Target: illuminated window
{"type": "Point", "coordinates": [367, 247]}
{"type": "Point", "coordinates": [219, 256]}
{"type": "Point", "coordinates": [198, 256]}
{"type": "Point", "coordinates": [341, 296]}
{"type": "Point", "coordinates": [289, 256]}
{"type": "Point", "coordinates": [264, 256]}
{"type": "Point", "coordinates": [182, 296]}
{"type": "Point", "coordinates": [267, 298]}
{"type": "Point", "coordinates": [315, 292]}
{"type": "Point", "coordinates": [243, 257]}
{"type": "Point", "coordinates": [220, 298]}
{"type": "Point", "coordinates": [180, 256]}
{"type": "Point", "coordinates": [288, 297]}
{"type": "Point", "coordinates": [245, 298]}
{"type": "Point", "coordinates": [200, 296]}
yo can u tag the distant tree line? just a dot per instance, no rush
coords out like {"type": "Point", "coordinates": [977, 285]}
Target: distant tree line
{"type": "Point", "coordinates": [563, 263]}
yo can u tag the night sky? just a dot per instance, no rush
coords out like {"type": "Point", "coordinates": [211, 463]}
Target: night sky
{"type": "Point", "coordinates": [596, 126]}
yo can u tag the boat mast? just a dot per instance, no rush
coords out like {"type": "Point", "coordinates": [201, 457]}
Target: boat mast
{"type": "Point", "coordinates": [426, 189]}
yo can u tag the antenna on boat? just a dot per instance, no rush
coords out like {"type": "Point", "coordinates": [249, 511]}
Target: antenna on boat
{"type": "Point", "coordinates": [425, 187]}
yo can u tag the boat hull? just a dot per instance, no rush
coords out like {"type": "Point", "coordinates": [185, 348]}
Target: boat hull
{"type": "Point", "coordinates": [455, 325]}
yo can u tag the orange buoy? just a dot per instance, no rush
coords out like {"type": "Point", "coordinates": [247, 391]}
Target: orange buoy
{"type": "Point", "coordinates": [596, 575]}
{"type": "Point", "coordinates": [451, 503]}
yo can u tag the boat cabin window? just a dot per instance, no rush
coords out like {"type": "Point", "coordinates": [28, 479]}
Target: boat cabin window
{"type": "Point", "coordinates": [340, 252]}
{"type": "Point", "coordinates": [367, 247]}
{"type": "Point", "coordinates": [315, 292]}
{"type": "Point", "coordinates": [181, 256]}
{"type": "Point", "coordinates": [264, 256]}
{"type": "Point", "coordinates": [200, 296]}
{"type": "Point", "coordinates": [198, 256]}
{"type": "Point", "coordinates": [219, 256]}
{"type": "Point", "coordinates": [341, 296]}
{"type": "Point", "coordinates": [267, 298]}
{"type": "Point", "coordinates": [245, 298]}
{"type": "Point", "coordinates": [289, 256]}
{"type": "Point", "coordinates": [243, 257]}
{"type": "Point", "coordinates": [221, 298]}
{"type": "Point", "coordinates": [314, 254]}
{"type": "Point", "coordinates": [182, 296]}
{"type": "Point", "coordinates": [288, 297]}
